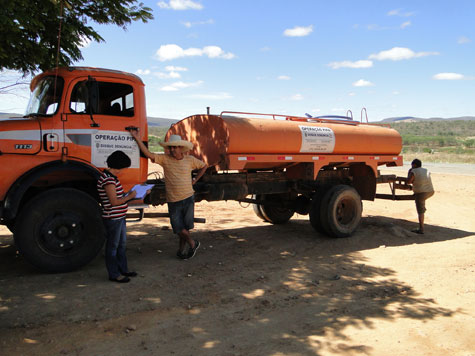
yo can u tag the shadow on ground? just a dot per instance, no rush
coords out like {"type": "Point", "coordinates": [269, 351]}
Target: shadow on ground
{"type": "Point", "coordinates": [287, 284]}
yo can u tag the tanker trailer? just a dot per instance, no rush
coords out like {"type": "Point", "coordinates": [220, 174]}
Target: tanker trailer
{"type": "Point", "coordinates": [284, 165]}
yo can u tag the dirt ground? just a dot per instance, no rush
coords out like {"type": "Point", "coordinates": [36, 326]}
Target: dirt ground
{"type": "Point", "coordinates": [260, 289]}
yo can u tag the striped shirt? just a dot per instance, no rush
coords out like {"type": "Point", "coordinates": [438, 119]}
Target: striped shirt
{"type": "Point", "coordinates": [109, 211]}
{"type": "Point", "coordinates": [178, 184]}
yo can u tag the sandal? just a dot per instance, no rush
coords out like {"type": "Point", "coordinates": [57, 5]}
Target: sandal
{"type": "Point", "coordinates": [418, 231]}
{"type": "Point", "coordinates": [121, 280]}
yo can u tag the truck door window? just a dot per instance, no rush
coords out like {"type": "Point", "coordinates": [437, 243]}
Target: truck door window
{"type": "Point", "coordinates": [115, 99]}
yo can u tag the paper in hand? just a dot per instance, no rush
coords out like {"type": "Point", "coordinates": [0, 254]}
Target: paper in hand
{"type": "Point", "coordinates": [141, 190]}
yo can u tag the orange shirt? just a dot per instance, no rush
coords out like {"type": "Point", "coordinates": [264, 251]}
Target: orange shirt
{"type": "Point", "coordinates": [177, 172]}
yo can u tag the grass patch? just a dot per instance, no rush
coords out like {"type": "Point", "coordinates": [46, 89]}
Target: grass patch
{"type": "Point", "coordinates": [156, 135]}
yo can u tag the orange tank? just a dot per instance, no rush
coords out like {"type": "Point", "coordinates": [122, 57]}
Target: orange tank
{"type": "Point", "coordinates": [215, 137]}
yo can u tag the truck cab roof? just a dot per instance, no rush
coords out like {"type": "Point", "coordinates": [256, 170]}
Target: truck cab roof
{"type": "Point", "coordinates": [73, 72]}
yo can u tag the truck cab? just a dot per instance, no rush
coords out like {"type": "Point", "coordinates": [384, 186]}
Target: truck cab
{"type": "Point", "coordinates": [51, 158]}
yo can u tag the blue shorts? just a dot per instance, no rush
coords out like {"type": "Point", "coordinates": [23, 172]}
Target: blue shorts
{"type": "Point", "coordinates": [182, 214]}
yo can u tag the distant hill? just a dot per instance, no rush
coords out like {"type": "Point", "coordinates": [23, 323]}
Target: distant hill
{"type": "Point", "coordinates": [4, 115]}
{"type": "Point", "coordinates": [164, 122]}
{"type": "Point", "coordinates": [152, 121]}
{"type": "Point", "coordinates": [418, 119]}
{"type": "Point", "coordinates": [160, 121]}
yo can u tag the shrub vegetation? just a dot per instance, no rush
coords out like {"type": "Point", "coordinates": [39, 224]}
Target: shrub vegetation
{"type": "Point", "coordinates": [438, 141]}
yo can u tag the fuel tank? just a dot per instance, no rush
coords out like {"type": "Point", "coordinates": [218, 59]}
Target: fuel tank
{"type": "Point", "coordinates": [214, 137]}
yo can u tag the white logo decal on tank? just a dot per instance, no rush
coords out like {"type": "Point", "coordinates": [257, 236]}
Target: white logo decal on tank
{"type": "Point", "coordinates": [317, 139]}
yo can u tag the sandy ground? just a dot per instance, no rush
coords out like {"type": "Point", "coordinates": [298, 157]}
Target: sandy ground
{"type": "Point", "coordinates": [261, 289]}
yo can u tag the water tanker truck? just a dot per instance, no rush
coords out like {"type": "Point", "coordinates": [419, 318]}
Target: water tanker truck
{"type": "Point", "coordinates": [283, 165]}
{"type": "Point", "coordinates": [51, 158]}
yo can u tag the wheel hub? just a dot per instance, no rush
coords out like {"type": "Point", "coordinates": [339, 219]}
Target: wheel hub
{"type": "Point", "coordinates": [60, 233]}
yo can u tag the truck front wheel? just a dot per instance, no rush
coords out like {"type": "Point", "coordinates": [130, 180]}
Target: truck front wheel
{"type": "Point", "coordinates": [60, 230]}
{"type": "Point", "coordinates": [340, 211]}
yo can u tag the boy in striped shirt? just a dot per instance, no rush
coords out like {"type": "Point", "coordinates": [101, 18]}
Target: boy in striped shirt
{"type": "Point", "coordinates": [177, 167]}
{"type": "Point", "coordinates": [114, 209]}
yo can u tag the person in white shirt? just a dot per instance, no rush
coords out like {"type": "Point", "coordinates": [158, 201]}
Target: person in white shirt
{"type": "Point", "coordinates": [423, 189]}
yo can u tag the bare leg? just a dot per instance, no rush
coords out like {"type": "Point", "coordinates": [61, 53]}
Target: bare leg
{"type": "Point", "coordinates": [421, 222]}
{"type": "Point", "coordinates": [185, 238]}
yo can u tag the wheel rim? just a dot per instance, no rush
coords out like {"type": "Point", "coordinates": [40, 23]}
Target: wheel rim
{"type": "Point", "coordinates": [345, 211]}
{"type": "Point", "coordinates": [61, 234]}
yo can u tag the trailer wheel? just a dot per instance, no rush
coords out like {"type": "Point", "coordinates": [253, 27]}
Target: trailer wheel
{"type": "Point", "coordinates": [315, 208]}
{"type": "Point", "coordinates": [340, 211]}
{"type": "Point", "coordinates": [257, 208]}
{"type": "Point", "coordinates": [273, 211]}
{"type": "Point", "coordinates": [60, 230]}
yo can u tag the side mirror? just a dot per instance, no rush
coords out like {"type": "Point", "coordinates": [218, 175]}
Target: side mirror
{"type": "Point", "coordinates": [93, 96]}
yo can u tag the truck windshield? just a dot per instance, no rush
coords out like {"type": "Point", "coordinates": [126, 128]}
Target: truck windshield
{"type": "Point", "coordinates": [46, 96]}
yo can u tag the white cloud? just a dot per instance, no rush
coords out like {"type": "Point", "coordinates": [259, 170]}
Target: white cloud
{"type": "Point", "coordinates": [362, 83]}
{"type": "Point", "coordinates": [400, 53]}
{"type": "Point", "coordinates": [351, 94]}
{"type": "Point", "coordinates": [172, 51]}
{"type": "Point", "coordinates": [180, 5]}
{"type": "Point", "coordinates": [169, 75]}
{"type": "Point", "coordinates": [265, 49]}
{"type": "Point", "coordinates": [216, 52]}
{"type": "Point", "coordinates": [216, 96]}
{"type": "Point", "coordinates": [296, 97]}
{"type": "Point", "coordinates": [180, 85]}
{"type": "Point", "coordinates": [448, 76]}
{"type": "Point", "coordinates": [463, 40]}
{"type": "Point", "coordinates": [376, 27]}
{"type": "Point", "coordinates": [298, 31]}
{"type": "Point", "coordinates": [176, 69]}
{"type": "Point", "coordinates": [398, 12]}
{"type": "Point", "coordinates": [142, 72]}
{"type": "Point", "coordinates": [347, 64]}
{"type": "Point", "coordinates": [189, 24]}
{"type": "Point", "coordinates": [283, 77]}
{"type": "Point", "coordinates": [172, 72]}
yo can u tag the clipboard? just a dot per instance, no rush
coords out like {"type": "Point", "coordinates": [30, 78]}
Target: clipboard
{"type": "Point", "coordinates": [141, 190]}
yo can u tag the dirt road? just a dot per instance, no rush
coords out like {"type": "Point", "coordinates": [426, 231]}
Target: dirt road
{"type": "Point", "coordinates": [259, 289]}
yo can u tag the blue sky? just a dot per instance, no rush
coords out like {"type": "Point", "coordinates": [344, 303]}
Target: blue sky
{"type": "Point", "coordinates": [395, 58]}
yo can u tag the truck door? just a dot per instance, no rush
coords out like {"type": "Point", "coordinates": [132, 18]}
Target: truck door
{"type": "Point", "coordinates": [93, 136]}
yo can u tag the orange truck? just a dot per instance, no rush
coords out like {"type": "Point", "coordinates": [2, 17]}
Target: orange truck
{"type": "Point", "coordinates": [50, 160]}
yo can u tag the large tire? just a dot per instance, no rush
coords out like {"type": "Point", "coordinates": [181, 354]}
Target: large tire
{"type": "Point", "coordinates": [340, 211]}
{"type": "Point", "coordinates": [10, 224]}
{"type": "Point", "coordinates": [273, 211]}
{"type": "Point", "coordinates": [257, 208]}
{"type": "Point", "coordinates": [60, 230]}
{"type": "Point", "coordinates": [315, 208]}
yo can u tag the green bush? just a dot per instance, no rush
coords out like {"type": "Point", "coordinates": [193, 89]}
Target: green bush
{"type": "Point", "coordinates": [469, 143]}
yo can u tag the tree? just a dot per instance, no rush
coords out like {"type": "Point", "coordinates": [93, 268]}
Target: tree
{"type": "Point", "coordinates": [31, 29]}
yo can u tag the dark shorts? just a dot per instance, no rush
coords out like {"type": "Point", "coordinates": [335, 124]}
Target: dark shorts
{"type": "Point", "coordinates": [182, 214]}
{"type": "Point", "coordinates": [420, 199]}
